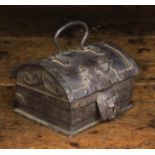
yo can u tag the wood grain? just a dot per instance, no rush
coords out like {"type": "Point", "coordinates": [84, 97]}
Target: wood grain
{"type": "Point", "coordinates": [133, 129]}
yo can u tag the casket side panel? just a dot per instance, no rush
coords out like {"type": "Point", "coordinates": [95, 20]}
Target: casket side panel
{"type": "Point", "coordinates": [39, 94]}
{"type": "Point", "coordinates": [85, 111]}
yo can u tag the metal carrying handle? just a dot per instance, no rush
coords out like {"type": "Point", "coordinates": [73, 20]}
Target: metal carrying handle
{"type": "Point", "coordinates": [66, 26]}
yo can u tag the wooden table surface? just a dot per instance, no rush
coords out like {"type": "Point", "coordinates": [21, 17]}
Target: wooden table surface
{"type": "Point", "coordinates": [132, 129]}
{"type": "Point", "coordinates": [130, 27]}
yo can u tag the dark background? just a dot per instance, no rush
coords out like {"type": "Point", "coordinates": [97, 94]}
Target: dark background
{"type": "Point", "coordinates": [44, 20]}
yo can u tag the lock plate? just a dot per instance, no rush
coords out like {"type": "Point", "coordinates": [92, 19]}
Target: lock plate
{"type": "Point", "coordinates": [108, 104]}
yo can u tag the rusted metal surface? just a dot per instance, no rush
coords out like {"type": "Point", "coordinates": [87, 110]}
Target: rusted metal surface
{"type": "Point", "coordinates": [69, 76]}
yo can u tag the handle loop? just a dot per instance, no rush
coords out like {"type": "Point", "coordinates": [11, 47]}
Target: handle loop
{"type": "Point", "coordinates": [68, 25]}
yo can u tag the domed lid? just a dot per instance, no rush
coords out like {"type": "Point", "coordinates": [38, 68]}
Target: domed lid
{"type": "Point", "coordinates": [92, 68]}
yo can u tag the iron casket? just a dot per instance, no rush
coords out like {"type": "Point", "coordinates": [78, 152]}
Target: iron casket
{"type": "Point", "coordinates": [76, 89]}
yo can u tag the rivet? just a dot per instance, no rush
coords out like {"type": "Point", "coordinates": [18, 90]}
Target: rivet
{"type": "Point", "coordinates": [86, 91]}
